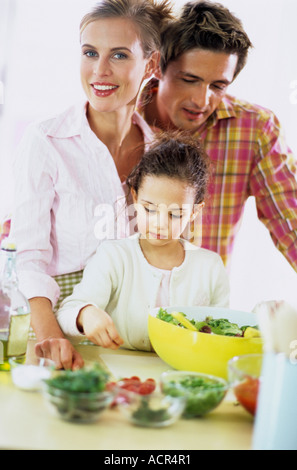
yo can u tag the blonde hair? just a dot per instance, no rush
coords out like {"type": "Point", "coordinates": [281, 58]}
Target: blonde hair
{"type": "Point", "coordinates": [150, 16]}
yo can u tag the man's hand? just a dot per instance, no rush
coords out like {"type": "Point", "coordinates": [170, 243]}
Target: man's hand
{"type": "Point", "coordinates": [98, 327]}
{"type": "Point", "coordinates": [61, 351]}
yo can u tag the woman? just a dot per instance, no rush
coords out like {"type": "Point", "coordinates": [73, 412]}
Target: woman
{"type": "Point", "coordinates": [70, 166]}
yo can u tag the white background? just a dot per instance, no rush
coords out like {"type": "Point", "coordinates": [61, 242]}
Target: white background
{"type": "Point", "coordinates": [39, 47]}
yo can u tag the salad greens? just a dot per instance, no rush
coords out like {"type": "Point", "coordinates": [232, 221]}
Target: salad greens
{"type": "Point", "coordinates": [202, 394]}
{"type": "Point", "coordinates": [79, 396]}
{"type": "Point", "coordinates": [80, 381]}
{"type": "Point", "coordinates": [220, 326]}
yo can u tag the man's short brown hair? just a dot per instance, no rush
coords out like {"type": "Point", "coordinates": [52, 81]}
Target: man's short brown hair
{"type": "Point", "coordinates": [208, 26]}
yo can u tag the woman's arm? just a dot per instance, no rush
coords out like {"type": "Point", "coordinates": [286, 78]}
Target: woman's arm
{"type": "Point", "coordinates": [51, 340]}
{"type": "Point", "coordinates": [35, 172]}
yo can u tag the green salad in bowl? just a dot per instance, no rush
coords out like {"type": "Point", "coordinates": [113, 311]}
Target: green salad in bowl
{"type": "Point", "coordinates": [217, 326]}
{"type": "Point", "coordinates": [202, 392]}
{"type": "Point", "coordinates": [80, 395]}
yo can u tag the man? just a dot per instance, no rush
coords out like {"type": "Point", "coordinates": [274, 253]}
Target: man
{"type": "Point", "coordinates": [203, 51]}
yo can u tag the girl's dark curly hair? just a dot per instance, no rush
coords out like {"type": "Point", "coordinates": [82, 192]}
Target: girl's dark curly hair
{"type": "Point", "coordinates": [174, 155]}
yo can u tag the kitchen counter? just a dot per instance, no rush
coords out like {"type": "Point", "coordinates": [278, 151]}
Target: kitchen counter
{"type": "Point", "coordinates": [26, 422]}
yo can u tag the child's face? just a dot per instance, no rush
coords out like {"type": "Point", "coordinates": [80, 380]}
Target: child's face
{"type": "Point", "coordinates": [164, 208]}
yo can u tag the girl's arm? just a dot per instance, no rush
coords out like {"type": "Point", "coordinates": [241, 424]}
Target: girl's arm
{"type": "Point", "coordinates": [51, 341]}
{"type": "Point", "coordinates": [98, 327]}
{"type": "Point", "coordinates": [82, 314]}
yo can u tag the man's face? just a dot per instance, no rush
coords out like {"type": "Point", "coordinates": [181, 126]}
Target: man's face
{"type": "Point", "coordinates": [193, 87]}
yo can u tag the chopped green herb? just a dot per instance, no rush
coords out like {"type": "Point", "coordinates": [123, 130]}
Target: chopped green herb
{"type": "Point", "coordinates": [80, 381]}
{"type": "Point", "coordinates": [79, 396]}
{"type": "Point", "coordinates": [146, 415]}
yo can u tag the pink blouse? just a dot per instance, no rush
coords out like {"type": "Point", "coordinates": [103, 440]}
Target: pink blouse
{"type": "Point", "coordinates": [66, 184]}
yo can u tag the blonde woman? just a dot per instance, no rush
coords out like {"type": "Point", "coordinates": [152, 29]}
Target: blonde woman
{"type": "Point", "coordinates": [70, 165]}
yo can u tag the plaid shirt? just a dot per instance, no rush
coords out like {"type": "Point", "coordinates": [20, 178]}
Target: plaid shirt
{"type": "Point", "coordinates": [250, 158]}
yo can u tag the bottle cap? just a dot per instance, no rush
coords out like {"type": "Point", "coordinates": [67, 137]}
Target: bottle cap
{"type": "Point", "coordinates": [8, 244]}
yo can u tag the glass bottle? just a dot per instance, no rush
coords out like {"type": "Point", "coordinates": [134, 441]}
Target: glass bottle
{"type": "Point", "coordinates": [14, 309]}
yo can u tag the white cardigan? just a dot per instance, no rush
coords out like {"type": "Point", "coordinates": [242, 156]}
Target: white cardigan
{"type": "Point", "coordinates": [119, 280]}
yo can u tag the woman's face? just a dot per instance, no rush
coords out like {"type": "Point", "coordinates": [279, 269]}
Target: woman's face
{"type": "Point", "coordinates": [112, 63]}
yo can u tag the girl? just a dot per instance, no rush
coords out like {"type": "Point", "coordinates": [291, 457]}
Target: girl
{"type": "Point", "coordinates": [68, 165]}
{"type": "Point", "coordinates": [154, 267]}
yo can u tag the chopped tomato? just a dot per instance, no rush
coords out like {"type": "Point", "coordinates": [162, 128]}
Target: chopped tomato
{"type": "Point", "coordinates": [152, 381]}
{"type": "Point", "coordinates": [134, 377]}
{"type": "Point", "coordinates": [146, 388]}
{"type": "Point", "coordinates": [132, 384]}
{"type": "Point", "coordinates": [247, 393]}
{"type": "Point", "coordinates": [131, 387]}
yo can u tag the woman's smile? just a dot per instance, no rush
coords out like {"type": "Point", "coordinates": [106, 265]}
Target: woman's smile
{"type": "Point", "coordinates": [103, 90]}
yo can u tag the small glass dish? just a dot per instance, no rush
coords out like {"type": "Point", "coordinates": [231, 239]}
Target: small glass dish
{"type": "Point", "coordinates": [78, 396]}
{"type": "Point", "coordinates": [244, 375]}
{"type": "Point", "coordinates": [152, 410]}
{"type": "Point", "coordinates": [76, 407]}
{"type": "Point", "coordinates": [202, 392]}
{"type": "Point", "coordinates": [29, 374]}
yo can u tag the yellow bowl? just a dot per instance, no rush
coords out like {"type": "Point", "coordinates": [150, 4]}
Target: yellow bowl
{"type": "Point", "coordinates": [206, 353]}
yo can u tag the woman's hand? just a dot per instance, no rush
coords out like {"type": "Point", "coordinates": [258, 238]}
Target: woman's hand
{"type": "Point", "coordinates": [61, 351]}
{"type": "Point", "coordinates": [51, 342]}
{"type": "Point", "coordinates": [98, 327]}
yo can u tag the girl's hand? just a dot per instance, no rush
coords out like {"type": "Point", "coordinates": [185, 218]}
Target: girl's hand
{"type": "Point", "coordinates": [98, 327]}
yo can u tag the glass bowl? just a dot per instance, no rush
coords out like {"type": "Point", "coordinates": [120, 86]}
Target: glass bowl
{"type": "Point", "coordinates": [132, 384]}
{"type": "Point", "coordinates": [202, 392]}
{"type": "Point", "coordinates": [28, 375]}
{"type": "Point", "coordinates": [244, 375]}
{"type": "Point", "coordinates": [151, 410]}
{"type": "Point", "coordinates": [78, 396]}
{"type": "Point", "coordinates": [76, 407]}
